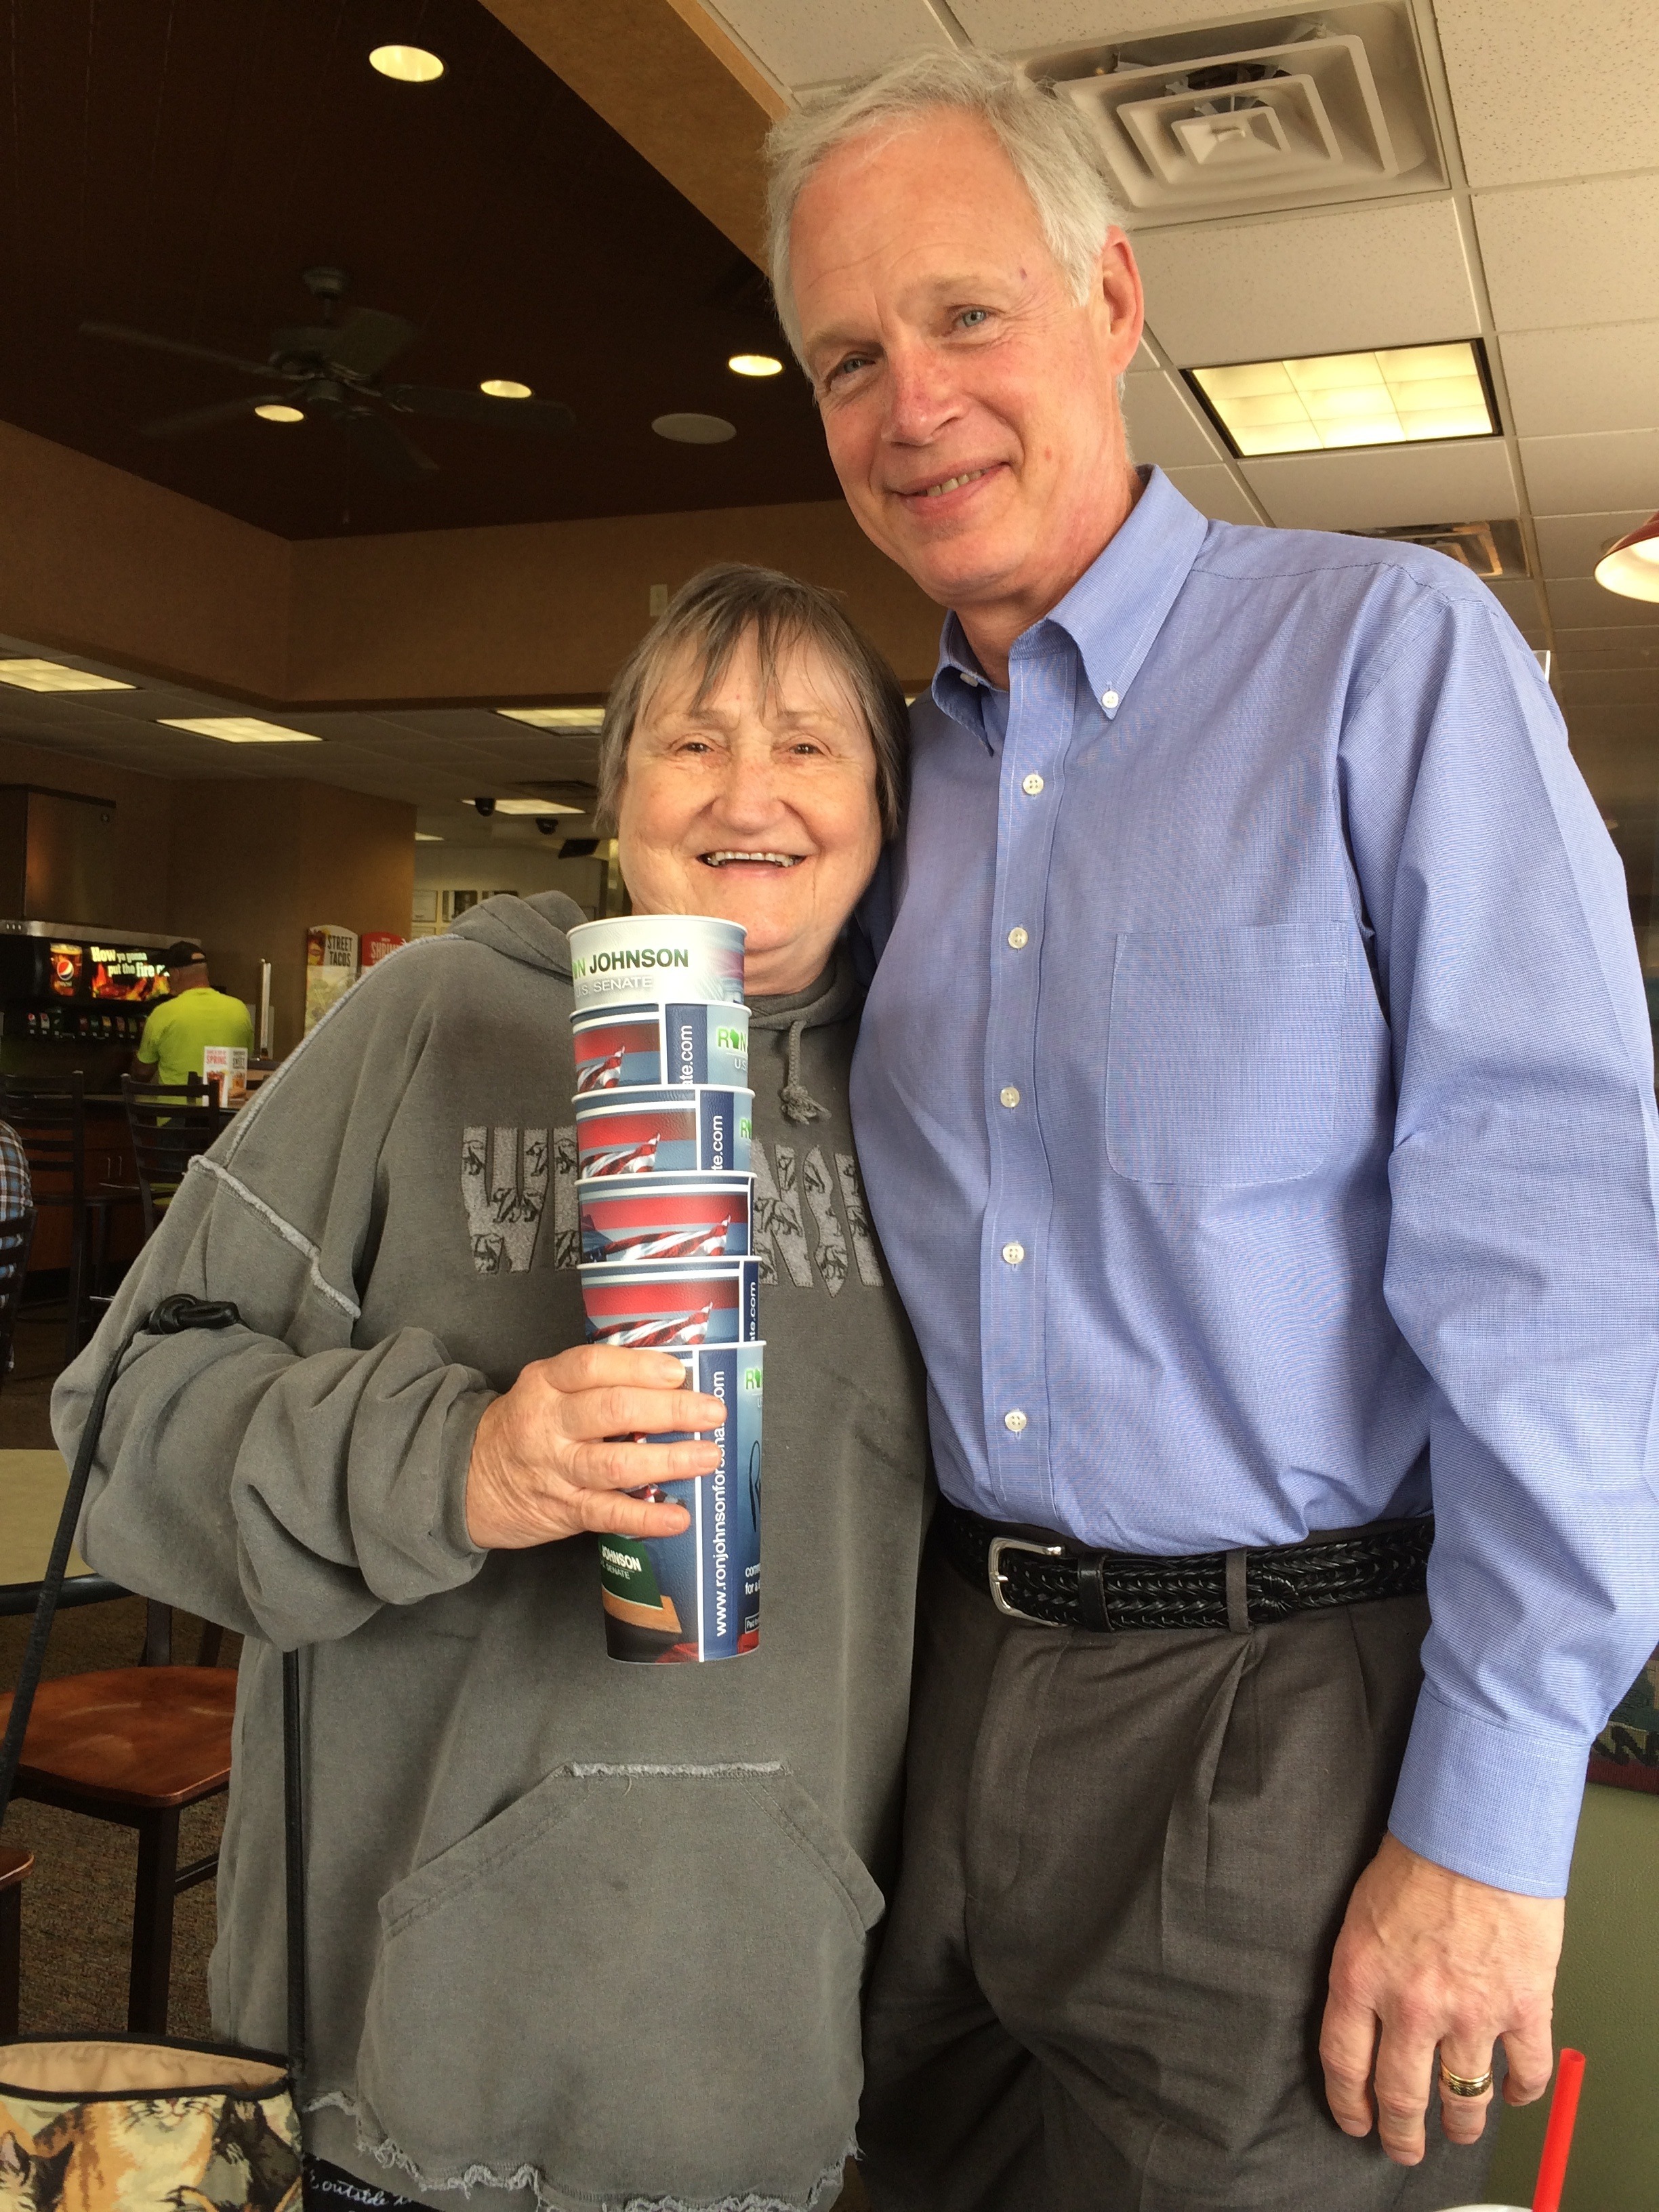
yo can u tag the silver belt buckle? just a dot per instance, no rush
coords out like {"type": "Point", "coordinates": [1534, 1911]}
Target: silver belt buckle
{"type": "Point", "coordinates": [993, 1573]}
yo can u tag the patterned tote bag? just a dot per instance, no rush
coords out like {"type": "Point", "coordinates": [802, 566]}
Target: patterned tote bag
{"type": "Point", "coordinates": [103, 2123]}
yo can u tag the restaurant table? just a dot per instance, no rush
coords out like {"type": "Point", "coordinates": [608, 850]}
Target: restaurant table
{"type": "Point", "coordinates": [32, 1487]}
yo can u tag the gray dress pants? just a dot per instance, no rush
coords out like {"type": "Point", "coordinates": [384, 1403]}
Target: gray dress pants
{"type": "Point", "coordinates": [1125, 1862]}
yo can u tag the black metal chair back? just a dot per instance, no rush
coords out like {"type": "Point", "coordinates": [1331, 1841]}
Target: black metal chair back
{"type": "Point", "coordinates": [50, 1118]}
{"type": "Point", "coordinates": [17, 1236]}
{"type": "Point", "coordinates": [169, 1128]}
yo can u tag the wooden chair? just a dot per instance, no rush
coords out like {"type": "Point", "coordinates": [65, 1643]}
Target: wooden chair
{"type": "Point", "coordinates": [51, 1119]}
{"type": "Point", "coordinates": [169, 1128]}
{"type": "Point", "coordinates": [15, 1865]}
{"type": "Point", "coordinates": [134, 1745]}
{"type": "Point", "coordinates": [16, 1238]}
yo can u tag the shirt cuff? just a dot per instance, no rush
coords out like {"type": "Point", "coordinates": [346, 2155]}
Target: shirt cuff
{"type": "Point", "coordinates": [1493, 1803]}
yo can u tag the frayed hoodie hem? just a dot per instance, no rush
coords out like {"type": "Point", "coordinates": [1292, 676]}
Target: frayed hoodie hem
{"type": "Point", "coordinates": [556, 2198]}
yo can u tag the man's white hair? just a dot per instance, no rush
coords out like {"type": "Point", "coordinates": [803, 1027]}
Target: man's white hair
{"type": "Point", "coordinates": [1052, 150]}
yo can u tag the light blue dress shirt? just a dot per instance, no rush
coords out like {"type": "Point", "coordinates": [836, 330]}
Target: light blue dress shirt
{"type": "Point", "coordinates": [1255, 1097]}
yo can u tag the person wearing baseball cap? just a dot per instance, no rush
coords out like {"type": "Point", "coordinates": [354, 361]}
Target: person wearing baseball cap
{"type": "Point", "coordinates": [192, 1016]}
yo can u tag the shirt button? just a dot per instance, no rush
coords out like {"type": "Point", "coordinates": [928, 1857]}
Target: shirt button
{"type": "Point", "coordinates": [1019, 940]}
{"type": "Point", "coordinates": [1009, 1095]}
{"type": "Point", "coordinates": [1109, 701]}
{"type": "Point", "coordinates": [1014, 1422]}
{"type": "Point", "coordinates": [1013, 1254]}
{"type": "Point", "coordinates": [1032, 785]}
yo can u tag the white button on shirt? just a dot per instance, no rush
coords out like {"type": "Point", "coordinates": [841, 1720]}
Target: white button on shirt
{"type": "Point", "coordinates": [1009, 1095]}
{"type": "Point", "coordinates": [1109, 701]}
{"type": "Point", "coordinates": [1013, 1254]}
{"type": "Point", "coordinates": [1014, 1422]}
{"type": "Point", "coordinates": [1032, 785]}
{"type": "Point", "coordinates": [1018, 939]}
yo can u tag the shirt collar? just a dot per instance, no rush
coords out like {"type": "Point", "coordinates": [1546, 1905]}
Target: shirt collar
{"type": "Point", "coordinates": [1111, 615]}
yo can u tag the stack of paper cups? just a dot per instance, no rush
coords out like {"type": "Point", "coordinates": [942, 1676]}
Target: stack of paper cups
{"type": "Point", "coordinates": [663, 1125]}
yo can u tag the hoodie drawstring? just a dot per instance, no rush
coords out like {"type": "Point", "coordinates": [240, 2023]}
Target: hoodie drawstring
{"type": "Point", "coordinates": [798, 1102]}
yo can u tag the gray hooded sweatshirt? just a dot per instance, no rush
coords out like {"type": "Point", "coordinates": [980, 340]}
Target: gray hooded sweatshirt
{"type": "Point", "coordinates": [581, 1934]}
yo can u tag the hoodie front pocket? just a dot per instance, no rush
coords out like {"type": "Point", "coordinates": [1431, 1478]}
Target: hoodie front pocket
{"type": "Point", "coordinates": [637, 1982]}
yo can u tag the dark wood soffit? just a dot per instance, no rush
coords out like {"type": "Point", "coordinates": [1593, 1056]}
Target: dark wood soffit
{"type": "Point", "coordinates": [667, 79]}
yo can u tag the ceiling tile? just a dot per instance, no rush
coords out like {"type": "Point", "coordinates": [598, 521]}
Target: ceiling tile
{"type": "Point", "coordinates": [803, 42]}
{"type": "Point", "coordinates": [1556, 255]}
{"type": "Point", "coordinates": [1288, 285]}
{"type": "Point", "coordinates": [1571, 544]}
{"type": "Point", "coordinates": [1216, 492]}
{"type": "Point", "coordinates": [1521, 602]}
{"type": "Point", "coordinates": [1164, 426]}
{"type": "Point", "coordinates": [1010, 25]}
{"type": "Point", "coordinates": [1607, 648]}
{"type": "Point", "coordinates": [1544, 91]}
{"type": "Point", "coordinates": [1565, 381]}
{"type": "Point", "coordinates": [1608, 687]}
{"type": "Point", "coordinates": [1608, 470]}
{"type": "Point", "coordinates": [1386, 487]}
{"type": "Point", "coordinates": [1578, 601]}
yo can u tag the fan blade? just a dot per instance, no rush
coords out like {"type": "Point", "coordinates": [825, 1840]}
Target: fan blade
{"type": "Point", "coordinates": [205, 418]}
{"type": "Point", "coordinates": [367, 341]}
{"type": "Point", "coordinates": [548, 417]}
{"type": "Point", "coordinates": [125, 337]}
{"type": "Point", "coordinates": [382, 448]}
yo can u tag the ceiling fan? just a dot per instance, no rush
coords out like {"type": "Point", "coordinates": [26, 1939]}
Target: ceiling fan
{"type": "Point", "coordinates": [330, 370]}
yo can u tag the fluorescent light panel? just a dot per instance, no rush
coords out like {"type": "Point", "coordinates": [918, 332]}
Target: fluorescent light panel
{"type": "Point", "coordinates": [53, 676]}
{"type": "Point", "coordinates": [1399, 395]}
{"type": "Point", "coordinates": [583, 720]}
{"type": "Point", "coordinates": [529, 807]}
{"type": "Point", "coordinates": [239, 730]}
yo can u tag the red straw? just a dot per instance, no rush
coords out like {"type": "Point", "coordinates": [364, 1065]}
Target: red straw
{"type": "Point", "coordinates": [1557, 2136]}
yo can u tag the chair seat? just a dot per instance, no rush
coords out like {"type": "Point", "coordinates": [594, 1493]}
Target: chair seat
{"type": "Point", "coordinates": [14, 1863]}
{"type": "Point", "coordinates": [151, 1738]}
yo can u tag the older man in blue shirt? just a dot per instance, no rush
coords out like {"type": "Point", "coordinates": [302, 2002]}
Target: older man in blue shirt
{"type": "Point", "coordinates": [1255, 1097]}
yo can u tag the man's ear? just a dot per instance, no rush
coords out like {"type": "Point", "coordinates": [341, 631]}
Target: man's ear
{"type": "Point", "coordinates": [1118, 279]}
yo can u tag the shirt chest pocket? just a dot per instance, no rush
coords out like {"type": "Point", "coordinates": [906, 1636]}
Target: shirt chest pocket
{"type": "Point", "coordinates": [1225, 1051]}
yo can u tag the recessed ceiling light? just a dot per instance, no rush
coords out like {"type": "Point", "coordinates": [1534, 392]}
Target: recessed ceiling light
{"type": "Point", "coordinates": [584, 721]}
{"type": "Point", "coordinates": [409, 64]}
{"type": "Point", "coordinates": [53, 676]}
{"type": "Point", "coordinates": [695, 429]}
{"type": "Point", "coordinates": [503, 387]}
{"type": "Point", "coordinates": [1396, 396]}
{"type": "Point", "coordinates": [239, 730]}
{"type": "Point", "coordinates": [427, 837]}
{"type": "Point", "coordinates": [755, 364]}
{"type": "Point", "coordinates": [278, 411]}
{"type": "Point", "coordinates": [529, 807]}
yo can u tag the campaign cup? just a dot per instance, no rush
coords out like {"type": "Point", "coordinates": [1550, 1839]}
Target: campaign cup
{"type": "Point", "coordinates": [665, 1305]}
{"type": "Point", "coordinates": [627, 1219]}
{"type": "Point", "coordinates": [696, 1596]}
{"type": "Point", "coordinates": [684, 1129]}
{"type": "Point", "coordinates": [678, 957]}
{"type": "Point", "coordinates": [651, 1044]}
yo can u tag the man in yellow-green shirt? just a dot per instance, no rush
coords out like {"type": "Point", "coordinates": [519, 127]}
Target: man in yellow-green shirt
{"type": "Point", "coordinates": [191, 1018]}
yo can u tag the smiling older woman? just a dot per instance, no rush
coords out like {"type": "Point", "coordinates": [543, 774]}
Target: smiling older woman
{"type": "Point", "coordinates": [581, 1934]}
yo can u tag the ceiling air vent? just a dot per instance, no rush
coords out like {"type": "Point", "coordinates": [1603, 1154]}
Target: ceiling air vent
{"type": "Point", "coordinates": [1493, 550]}
{"type": "Point", "coordinates": [1291, 111]}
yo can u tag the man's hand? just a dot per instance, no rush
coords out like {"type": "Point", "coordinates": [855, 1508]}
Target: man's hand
{"type": "Point", "coordinates": [555, 1455]}
{"type": "Point", "coordinates": [1435, 1959]}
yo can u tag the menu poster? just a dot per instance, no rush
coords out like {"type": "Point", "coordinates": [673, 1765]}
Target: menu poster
{"type": "Point", "coordinates": [225, 1069]}
{"type": "Point", "coordinates": [378, 944]}
{"type": "Point", "coordinates": [330, 968]}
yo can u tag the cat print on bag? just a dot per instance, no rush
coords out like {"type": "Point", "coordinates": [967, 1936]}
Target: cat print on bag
{"type": "Point", "coordinates": [188, 2154]}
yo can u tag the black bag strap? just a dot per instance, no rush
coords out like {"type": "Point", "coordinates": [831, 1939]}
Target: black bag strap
{"type": "Point", "coordinates": [171, 1318]}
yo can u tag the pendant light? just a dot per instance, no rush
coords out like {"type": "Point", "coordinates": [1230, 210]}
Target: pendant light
{"type": "Point", "coordinates": [1631, 566]}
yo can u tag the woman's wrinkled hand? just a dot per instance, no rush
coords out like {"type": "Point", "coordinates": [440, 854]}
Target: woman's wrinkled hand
{"type": "Point", "coordinates": [558, 1452]}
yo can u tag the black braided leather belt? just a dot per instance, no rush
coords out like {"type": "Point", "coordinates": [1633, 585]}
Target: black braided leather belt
{"type": "Point", "coordinates": [1032, 1576]}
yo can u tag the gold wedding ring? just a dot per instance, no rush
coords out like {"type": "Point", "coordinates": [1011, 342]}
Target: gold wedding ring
{"type": "Point", "coordinates": [1465, 2085]}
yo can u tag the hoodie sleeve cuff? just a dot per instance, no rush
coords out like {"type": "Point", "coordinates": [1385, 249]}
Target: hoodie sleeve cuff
{"type": "Point", "coordinates": [1493, 1803]}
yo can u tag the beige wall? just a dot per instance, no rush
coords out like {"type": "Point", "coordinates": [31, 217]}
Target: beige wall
{"type": "Point", "coordinates": [256, 863]}
{"type": "Point", "coordinates": [99, 563]}
{"type": "Point", "coordinates": [143, 820]}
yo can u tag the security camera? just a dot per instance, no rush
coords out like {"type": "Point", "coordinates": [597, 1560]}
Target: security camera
{"type": "Point", "coordinates": [547, 824]}
{"type": "Point", "coordinates": [485, 806]}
